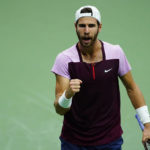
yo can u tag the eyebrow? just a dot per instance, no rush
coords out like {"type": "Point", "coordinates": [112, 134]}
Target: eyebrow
{"type": "Point", "coordinates": [89, 25]}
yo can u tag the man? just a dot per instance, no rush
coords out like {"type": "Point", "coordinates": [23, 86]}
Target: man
{"type": "Point", "coordinates": [87, 90]}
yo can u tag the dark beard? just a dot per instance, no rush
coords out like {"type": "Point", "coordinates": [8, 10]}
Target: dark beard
{"type": "Point", "coordinates": [93, 40]}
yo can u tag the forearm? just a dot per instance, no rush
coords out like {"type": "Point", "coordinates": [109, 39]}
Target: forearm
{"type": "Point", "coordinates": [138, 102]}
{"type": "Point", "coordinates": [136, 97]}
{"type": "Point", "coordinates": [60, 110]}
{"type": "Point", "coordinates": [62, 104]}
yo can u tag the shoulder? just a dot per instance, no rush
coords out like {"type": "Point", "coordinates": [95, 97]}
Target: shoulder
{"type": "Point", "coordinates": [116, 52]}
{"type": "Point", "coordinates": [60, 66]}
{"type": "Point", "coordinates": [69, 54]}
{"type": "Point", "coordinates": [112, 51]}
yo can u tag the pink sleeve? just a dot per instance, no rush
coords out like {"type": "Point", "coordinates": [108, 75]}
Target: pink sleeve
{"type": "Point", "coordinates": [124, 66]}
{"type": "Point", "coordinates": [60, 66]}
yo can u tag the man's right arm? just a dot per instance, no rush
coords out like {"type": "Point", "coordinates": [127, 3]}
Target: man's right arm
{"type": "Point", "coordinates": [71, 87]}
{"type": "Point", "coordinates": [62, 84]}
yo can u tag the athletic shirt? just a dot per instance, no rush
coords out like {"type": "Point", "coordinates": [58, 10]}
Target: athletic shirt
{"type": "Point", "coordinates": [94, 116]}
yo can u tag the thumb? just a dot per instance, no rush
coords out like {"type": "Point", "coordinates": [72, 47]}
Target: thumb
{"type": "Point", "coordinates": [80, 81]}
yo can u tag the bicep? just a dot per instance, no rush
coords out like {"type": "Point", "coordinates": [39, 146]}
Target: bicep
{"type": "Point", "coordinates": [128, 81]}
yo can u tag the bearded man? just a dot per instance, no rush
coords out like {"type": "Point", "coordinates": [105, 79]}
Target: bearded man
{"type": "Point", "coordinates": [87, 89]}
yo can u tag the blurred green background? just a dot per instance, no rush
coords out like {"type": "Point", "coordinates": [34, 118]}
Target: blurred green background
{"type": "Point", "coordinates": [32, 33]}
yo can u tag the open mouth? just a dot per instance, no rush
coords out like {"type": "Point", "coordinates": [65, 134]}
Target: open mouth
{"type": "Point", "coordinates": [86, 38]}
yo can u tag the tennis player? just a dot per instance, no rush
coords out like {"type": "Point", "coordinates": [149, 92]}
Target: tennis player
{"type": "Point", "coordinates": [87, 89]}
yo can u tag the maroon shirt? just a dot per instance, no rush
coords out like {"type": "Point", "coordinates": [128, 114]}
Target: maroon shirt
{"type": "Point", "coordinates": [94, 117]}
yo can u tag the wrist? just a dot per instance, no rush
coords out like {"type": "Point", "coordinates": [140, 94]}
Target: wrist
{"type": "Point", "coordinates": [143, 114]}
{"type": "Point", "coordinates": [68, 94]}
{"type": "Point", "coordinates": [64, 102]}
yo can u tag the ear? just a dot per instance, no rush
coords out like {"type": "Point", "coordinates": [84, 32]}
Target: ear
{"type": "Point", "coordinates": [99, 27]}
{"type": "Point", "coordinates": [75, 25]}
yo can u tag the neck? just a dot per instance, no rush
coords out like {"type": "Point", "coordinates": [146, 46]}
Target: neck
{"type": "Point", "coordinates": [91, 50]}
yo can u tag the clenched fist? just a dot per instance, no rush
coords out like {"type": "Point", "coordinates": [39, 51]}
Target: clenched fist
{"type": "Point", "coordinates": [74, 87]}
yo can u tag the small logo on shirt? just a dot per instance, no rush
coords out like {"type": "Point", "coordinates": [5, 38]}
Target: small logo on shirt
{"type": "Point", "coordinates": [107, 70]}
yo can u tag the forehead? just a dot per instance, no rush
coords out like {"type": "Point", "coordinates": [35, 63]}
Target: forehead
{"type": "Point", "coordinates": [87, 20]}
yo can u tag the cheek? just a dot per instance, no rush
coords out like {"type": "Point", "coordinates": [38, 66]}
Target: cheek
{"type": "Point", "coordinates": [96, 31]}
{"type": "Point", "coordinates": [79, 32]}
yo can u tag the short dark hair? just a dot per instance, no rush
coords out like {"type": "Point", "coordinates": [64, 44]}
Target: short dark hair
{"type": "Point", "coordinates": [87, 10]}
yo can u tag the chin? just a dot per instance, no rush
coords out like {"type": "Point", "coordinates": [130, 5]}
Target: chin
{"type": "Point", "coordinates": [86, 45]}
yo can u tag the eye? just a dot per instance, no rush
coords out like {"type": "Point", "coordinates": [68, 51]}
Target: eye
{"type": "Point", "coordinates": [82, 25]}
{"type": "Point", "coordinates": [91, 25]}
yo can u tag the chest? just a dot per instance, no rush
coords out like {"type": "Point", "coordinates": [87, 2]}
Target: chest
{"type": "Point", "coordinates": [91, 59]}
{"type": "Point", "coordinates": [103, 72]}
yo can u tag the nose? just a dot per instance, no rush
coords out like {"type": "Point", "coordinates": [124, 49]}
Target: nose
{"type": "Point", "coordinates": [86, 31]}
